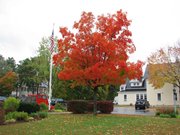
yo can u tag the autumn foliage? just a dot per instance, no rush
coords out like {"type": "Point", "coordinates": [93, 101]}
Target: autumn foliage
{"type": "Point", "coordinates": [7, 81]}
{"type": "Point", "coordinates": [97, 51]}
{"type": "Point", "coordinates": [164, 66]}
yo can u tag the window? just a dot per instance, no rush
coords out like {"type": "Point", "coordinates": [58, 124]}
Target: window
{"type": "Point", "coordinates": [159, 96]}
{"type": "Point", "coordinates": [137, 96]}
{"type": "Point", "coordinates": [141, 96]}
{"type": "Point", "coordinates": [125, 97]}
{"type": "Point", "coordinates": [145, 96]}
{"type": "Point", "coordinates": [122, 88]}
{"type": "Point", "coordinates": [137, 83]}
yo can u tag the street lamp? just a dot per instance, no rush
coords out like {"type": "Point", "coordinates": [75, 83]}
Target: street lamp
{"type": "Point", "coordinates": [174, 97]}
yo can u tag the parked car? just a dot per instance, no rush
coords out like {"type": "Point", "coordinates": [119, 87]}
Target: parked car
{"type": "Point", "coordinates": [2, 98]}
{"type": "Point", "coordinates": [142, 104]}
{"type": "Point", "coordinates": [57, 100]}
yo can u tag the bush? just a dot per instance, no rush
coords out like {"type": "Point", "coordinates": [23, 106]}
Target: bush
{"type": "Point", "coordinates": [10, 115]}
{"type": "Point", "coordinates": [10, 121]}
{"type": "Point", "coordinates": [34, 115]}
{"type": "Point", "coordinates": [165, 116]}
{"type": "Point", "coordinates": [77, 106]}
{"type": "Point", "coordinates": [42, 114]}
{"type": "Point", "coordinates": [165, 110]}
{"type": "Point", "coordinates": [43, 107]}
{"type": "Point", "coordinates": [59, 106]}
{"type": "Point", "coordinates": [105, 106]}
{"type": "Point", "coordinates": [2, 116]}
{"type": "Point", "coordinates": [28, 107]}
{"type": "Point", "coordinates": [11, 104]}
{"type": "Point", "coordinates": [19, 116]}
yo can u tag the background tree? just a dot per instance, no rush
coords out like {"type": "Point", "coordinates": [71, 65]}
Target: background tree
{"type": "Point", "coordinates": [97, 52]}
{"type": "Point", "coordinates": [164, 66]}
{"type": "Point", "coordinates": [7, 83]}
{"type": "Point", "coordinates": [8, 76]}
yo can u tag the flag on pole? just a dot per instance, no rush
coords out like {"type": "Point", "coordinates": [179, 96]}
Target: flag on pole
{"type": "Point", "coordinates": [52, 42]}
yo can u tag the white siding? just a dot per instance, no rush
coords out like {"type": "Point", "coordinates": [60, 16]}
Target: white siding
{"type": "Point", "coordinates": [131, 97]}
{"type": "Point", "coordinates": [166, 95]}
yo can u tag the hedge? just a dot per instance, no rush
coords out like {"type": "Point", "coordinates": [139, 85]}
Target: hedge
{"type": "Point", "coordinates": [82, 106]}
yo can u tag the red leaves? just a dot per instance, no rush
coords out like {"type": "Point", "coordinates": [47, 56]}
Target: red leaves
{"type": "Point", "coordinates": [97, 53]}
{"type": "Point", "coordinates": [7, 81]}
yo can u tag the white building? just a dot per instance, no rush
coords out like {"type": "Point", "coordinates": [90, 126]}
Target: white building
{"type": "Point", "coordinates": [142, 89]}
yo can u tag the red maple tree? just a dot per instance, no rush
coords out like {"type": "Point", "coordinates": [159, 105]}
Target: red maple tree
{"type": "Point", "coordinates": [97, 51]}
{"type": "Point", "coordinates": [7, 82]}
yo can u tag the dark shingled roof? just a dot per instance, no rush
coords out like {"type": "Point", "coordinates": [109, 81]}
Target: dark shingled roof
{"type": "Point", "coordinates": [138, 88]}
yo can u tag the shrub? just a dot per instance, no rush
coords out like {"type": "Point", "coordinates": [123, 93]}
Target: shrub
{"type": "Point", "coordinates": [77, 106]}
{"type": "Point", "coordinates": [34, 115]}
{"type": "Point", "coordinates": [165, 116]}
{"type": "Point", "coordinates": [105, 106]}
{"type": "Point", "coordinates": [2, 116]}
{"type": "Point", "coordinates": [19, 116]}
{"type": "Point", "coordinates": [11, 104]}
{"type": "Point", "coordinates": [59, 106]}
{"type": "Point", "coordinates": [10, 115]}
{"type": "Point", "coordinates": [42, 114]}
{"type": "Point", "coordinates": [43, 107]}
{"type": "Point", "coordinates": [10, 121]}
{"type": "Point", "coordinates": [165, 110]}
{"type": "Point", "coordinates": [90, 106]}
{"type": "Point", "coordinates": [28, 107]}
{"type": "Point", "coordinates": [173, 115]}
{"type": "Point", "coordinates": [157, 113]}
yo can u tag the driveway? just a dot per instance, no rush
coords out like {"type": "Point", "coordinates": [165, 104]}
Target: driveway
{"type": "Point", "coordinates": [130, 110]}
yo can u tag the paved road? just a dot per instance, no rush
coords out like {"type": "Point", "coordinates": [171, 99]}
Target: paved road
{"type": "Point", "coordinates": [131, 111]}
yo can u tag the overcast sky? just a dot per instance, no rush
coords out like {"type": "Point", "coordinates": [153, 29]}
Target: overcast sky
{"type": "Point", "coordinates": [155, 23]}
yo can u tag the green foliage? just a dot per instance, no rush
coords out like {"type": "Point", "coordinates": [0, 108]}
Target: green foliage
{"type": "Point", "coordinates": [11, 104]}
{"type": "Point", "coordinates": [42, 114]}
{"type": "Point", "coordinates": [164, 116]}
{"type": "Point", "coordinates": [34, 115]}
{"type": "Point", "coordinates": [28, 107]}
{"type": "Point", "coordinates": [10, 121]}
{"type": "Point", "coordinates": [59, 106]}
{"type": "Point", "coordinates": [43, 107]}
{"type": "Point", "coordinates": [19, 116]}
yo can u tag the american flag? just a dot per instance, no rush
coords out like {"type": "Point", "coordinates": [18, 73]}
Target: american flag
{"type": "Point", "coordinates": [52, 42]}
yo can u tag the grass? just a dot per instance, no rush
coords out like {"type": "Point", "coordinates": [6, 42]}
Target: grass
{"type": "Point", "coordinates": [69, 124]}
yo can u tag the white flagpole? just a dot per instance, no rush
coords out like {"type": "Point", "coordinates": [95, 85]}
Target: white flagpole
{"type": "Point", "coordinates": [50, 82]}
{"type": "Point", "coordinates": [51, 64]}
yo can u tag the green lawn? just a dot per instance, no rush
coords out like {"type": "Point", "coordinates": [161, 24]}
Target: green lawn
{"type": "Point", "coordinates": [69, 124]}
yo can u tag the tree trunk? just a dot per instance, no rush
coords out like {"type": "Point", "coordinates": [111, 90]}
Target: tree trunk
{"type": "Point", "coordinates": [95, 100]}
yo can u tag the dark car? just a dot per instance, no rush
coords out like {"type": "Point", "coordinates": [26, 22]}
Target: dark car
{"type": "Point", "coordinates": [142, 104]}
